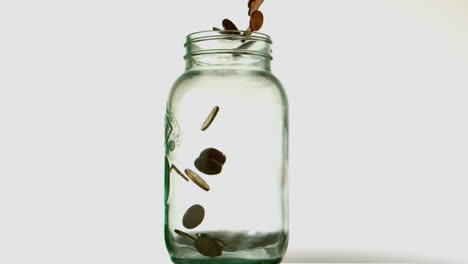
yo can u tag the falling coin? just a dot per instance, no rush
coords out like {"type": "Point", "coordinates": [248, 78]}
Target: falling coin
{"type": "Point", "coordinates": [197, 179]}
{"type": "Point", "coordinates": [254, 5]}
{"type": "Point", "coordinates": [212, 153]}
{"type": "Point", "coordinates": [256, 20]}
{"type": "Point", "coordinates": [246, 45]}
{"type": "Point", "coordinates": [193, 217]}
{"type": "Point", "coordinates": [228, 25]}
{"type": "Point", "coordinates": [208, 166]}
{"type": "Point", "coordinates": [245, 34]}
{"type": "Point", "coordinates": [173, 167]}
{"type": "Point", "coordinates": [183, 234]}
{"type": "Point", "coordinates": [210, 118]}
{"type": "Point", "coordinates": [208, 247]}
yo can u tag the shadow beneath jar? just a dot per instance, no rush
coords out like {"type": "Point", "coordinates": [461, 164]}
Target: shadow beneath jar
{"type": "Point", "coordinates": [348, 257]}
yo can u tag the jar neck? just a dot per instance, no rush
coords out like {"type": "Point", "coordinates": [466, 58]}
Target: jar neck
{"type": "Point", "coordinates": [239, 50]}
{"type": "Point", "coordinates": [227, 61]}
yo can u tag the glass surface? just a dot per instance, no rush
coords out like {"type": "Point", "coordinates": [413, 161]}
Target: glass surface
{"type": "Point", "coordinates": [246, 207]}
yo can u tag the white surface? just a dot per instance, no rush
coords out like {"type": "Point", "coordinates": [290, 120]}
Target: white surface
{"type": "Point", "coordinates": [379, 151]}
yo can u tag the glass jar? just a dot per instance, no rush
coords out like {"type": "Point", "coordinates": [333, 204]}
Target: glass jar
{"type": "Point", "coordinates": [226, 163]}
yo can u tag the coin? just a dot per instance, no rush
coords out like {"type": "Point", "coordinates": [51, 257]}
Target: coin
{"type": "Point", "coordinates": [217, 239]}
{"type": "Point", "coordinates": [183, 234]}
{"type": "Point", "coordinates": [246, 45]}
{"type": "Point", "coordinates": [256, 20]}
{"type": "Point", "coordinates": [173, 167]}
{"type": "Point", "coordinates": [212, 153]}
{"type": "Point", "coordinates": [197, 179]}
{"type": "Point", "coordinates": [208, 166]}
{"type": "Point", "coordinates": [193, 217]}
{"type": "Point", "coordinates": [247, 32]}
{"type": "Point", "coordinates": [208, 247]}
{"type": "Point", "coordinates": [254, 5]}
{"type": "Point", "coordinates": [228, 25]}
{"type": "Point", "coordinates": [210, 118]}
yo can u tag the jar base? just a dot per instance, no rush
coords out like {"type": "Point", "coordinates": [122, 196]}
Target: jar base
{"type": "Point", "coordinates": [226, 261]}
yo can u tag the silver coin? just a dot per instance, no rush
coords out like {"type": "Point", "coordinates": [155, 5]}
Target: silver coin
{"type": "Point", "coordinates": [208, 247]}
{"type": "Point", "coordinates": [222, 243]}
{"type": "Point", "coordinates": [193, 217]}
{"type": "Point", "coordinates": [183, 234]}
{"type": "Point", "coordinates": [210, 118]}
{"type": "Point", "coordinates": [197, 179]}
{"type": "Point", "coordinates": [173, 167]}
{"type": "Point", "coordinates": [246, 45]}
{"type": "Point", "coordinates": [246, 35]}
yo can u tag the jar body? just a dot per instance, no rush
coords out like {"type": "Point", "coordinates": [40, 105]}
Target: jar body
{"type": "Point", "coordinates": [245, 201]}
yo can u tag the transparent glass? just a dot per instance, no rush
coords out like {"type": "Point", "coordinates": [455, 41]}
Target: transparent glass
{"type": "Point", "coordinates": [232, 206]}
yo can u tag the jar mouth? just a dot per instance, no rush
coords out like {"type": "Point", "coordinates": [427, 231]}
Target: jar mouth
{"type": "Point", "coordinates": [228, 41]}
{"type": "Point", "coordinates": [227, 34]}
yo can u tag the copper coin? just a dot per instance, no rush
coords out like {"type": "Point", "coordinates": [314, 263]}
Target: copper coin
{"type": "Point", "coordinates": [197, 179]}
{"type": "Point", "coordinates": [256, 20]}
{"type": "Point", "coordinates": [212, 153]}
{"type": "Point", "coordinates": [208, 166]}
{"type": "Point", "coordinates": [254, 5]}
{"type": "Point", "coordinates": [210, 118]}
{"type": "Point", "coordinates": [183, 234]}
{"type": "Point", "coordinates": [208, 247]}
{"type": "Point", "coordinates": [193, 217]}
{"type": "Point", "coordinates": [228, 25]}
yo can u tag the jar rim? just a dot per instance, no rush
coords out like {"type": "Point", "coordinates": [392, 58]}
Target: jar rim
{"type": "Point", "coordinates": [228, 34]}
{"type": "Point", "coordinates": [202, 42]}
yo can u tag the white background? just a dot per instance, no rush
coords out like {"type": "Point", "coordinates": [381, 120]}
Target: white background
{"type": "Point", "coordinates": [378, 108]}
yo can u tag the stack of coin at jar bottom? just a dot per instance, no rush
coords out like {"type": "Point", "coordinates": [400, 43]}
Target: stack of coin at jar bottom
{"type": "Point", "coordinates": [222, 243]}
{"type": "Point", "coordinates": [205, 244]}
{"type": "Point", "coordinates": [208, 247]}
